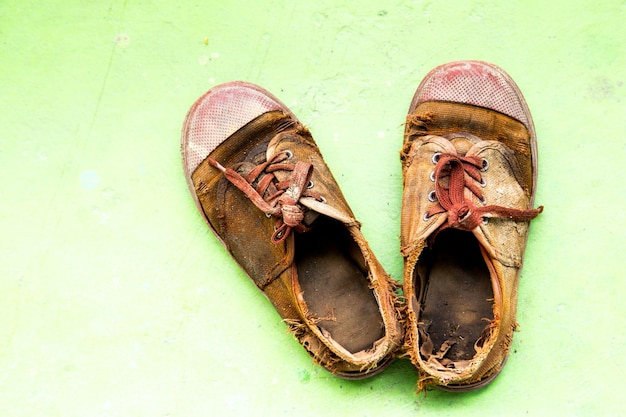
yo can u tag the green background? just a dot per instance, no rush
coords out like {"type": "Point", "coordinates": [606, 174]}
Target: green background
{"type": "Point", "coordinates": [116, 300]}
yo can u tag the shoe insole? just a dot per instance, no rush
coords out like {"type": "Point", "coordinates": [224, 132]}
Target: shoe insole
{"type": "Point", "coordinates": [459, 296]}
{"type": "Point", "coordinates": [333, 277]}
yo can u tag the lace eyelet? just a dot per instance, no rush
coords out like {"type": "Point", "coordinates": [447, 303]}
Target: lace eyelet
{"type": "Point", "coordinates": [485, 221]}
{"type": "Point", "coordinates": [483, 183]}
{"type": "Point", "coordinates": [310, 185]}
{"type": "Point", "coordinates": [485, 165]}
{"type": "Point", "coordinates": [436, 157]}
{"type": "Point", "coordinates": [432, 196]}
{"type": "Point", "coordinates": [426, 217]}
{"type": "Point", "coordinates": [432, 176]}
{"type": "Point", "coordinates": [268, 215]}
{"type": "Point", "coordinates": [322, 200]}
{"type": "Point", "coordinates": [289, 154]}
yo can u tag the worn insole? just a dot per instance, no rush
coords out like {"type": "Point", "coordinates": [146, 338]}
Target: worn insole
{"type": "Point", "coordinates": [336, 287]}
{"type": "Point", "coordinates": [459, 296]}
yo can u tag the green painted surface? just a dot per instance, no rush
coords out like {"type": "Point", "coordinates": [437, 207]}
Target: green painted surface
{"type": "Point", "coordinates": [117, 301]}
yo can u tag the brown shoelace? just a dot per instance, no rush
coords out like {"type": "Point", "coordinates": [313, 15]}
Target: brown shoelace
{"type": "Point", "coordinates": [273, 197]}
{"type": "Point", "coordinates": [463, 213]}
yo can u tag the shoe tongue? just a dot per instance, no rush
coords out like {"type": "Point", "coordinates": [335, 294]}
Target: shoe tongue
{"type": "Point", "coordinates": [462, 145]}
{"type": "Point", "coordinates": [309, 217]}
{"type": "Point", "coordinates": [335, 207]}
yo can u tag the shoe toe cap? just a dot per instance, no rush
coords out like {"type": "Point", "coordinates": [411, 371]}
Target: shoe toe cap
{"type": "Point", "coordinates": [474, 82]}
{"type": "Point", "coordinates": [218, 114]}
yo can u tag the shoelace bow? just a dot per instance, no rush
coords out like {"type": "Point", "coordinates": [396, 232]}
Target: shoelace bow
{"type": "Point", "coordinates": [463, 213]}
{"type": "Point", "coordinates": [281, 197]}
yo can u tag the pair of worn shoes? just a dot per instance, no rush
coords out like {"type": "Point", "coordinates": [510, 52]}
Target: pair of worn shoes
{"type": "Point", "coordinates": [469, 165]}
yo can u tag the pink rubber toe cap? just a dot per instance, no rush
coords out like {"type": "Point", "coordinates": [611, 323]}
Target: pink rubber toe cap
{"type": "Point", "coordinates": [219, 113]}
{"type": "Point", "coordinates": [474, 82]}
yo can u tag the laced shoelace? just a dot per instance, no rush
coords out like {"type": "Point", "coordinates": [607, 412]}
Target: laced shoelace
{"type": "Point", "coordinates": [465, 172]}
{"type": "Point", "coordinates": [273, 197]}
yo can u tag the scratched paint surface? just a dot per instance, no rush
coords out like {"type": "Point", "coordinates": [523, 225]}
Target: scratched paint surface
{"type": "Point", "coordinates": [117, 301]}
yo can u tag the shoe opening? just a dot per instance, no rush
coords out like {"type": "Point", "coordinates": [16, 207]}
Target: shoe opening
{"type": "Point", "coordinates": [333, 276]}
{"type": "Point", "coordinates": [456, 298]}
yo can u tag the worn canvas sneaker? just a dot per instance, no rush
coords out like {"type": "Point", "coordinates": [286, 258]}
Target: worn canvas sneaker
{"type": "Point", "coordinates": [469, 168]}
{"type": "Point", "coordinates": [260, 182]}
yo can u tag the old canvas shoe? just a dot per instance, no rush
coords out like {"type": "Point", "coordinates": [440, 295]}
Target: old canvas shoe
{"type": "Point", "coordinates": [262, 185]}
{"type": "Point", "coordinates": [469, 168]}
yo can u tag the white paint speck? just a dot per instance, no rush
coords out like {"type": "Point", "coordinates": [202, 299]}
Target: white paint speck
{"type": "Point", "coordinates": [122, 40]}
{"type": "Point", "coordinates": [89, 179]}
